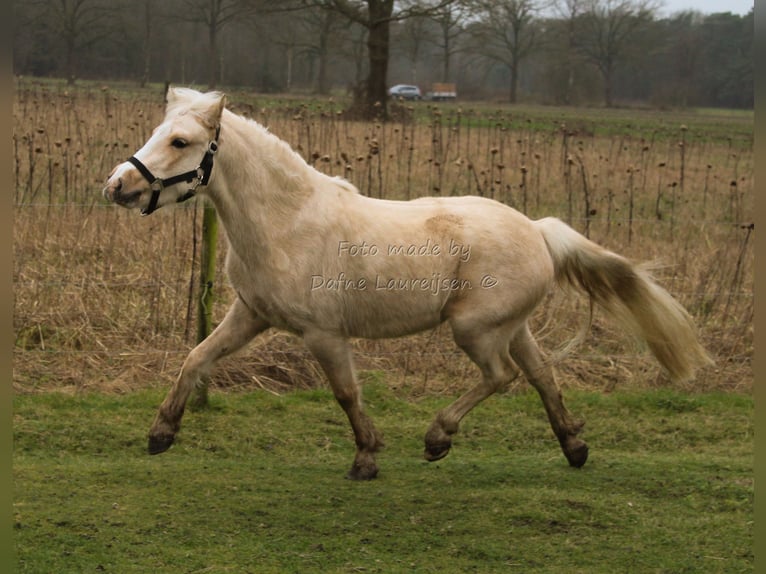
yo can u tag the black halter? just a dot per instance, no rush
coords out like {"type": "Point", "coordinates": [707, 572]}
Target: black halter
{"type": "Point", "coordinates": [198, 176]}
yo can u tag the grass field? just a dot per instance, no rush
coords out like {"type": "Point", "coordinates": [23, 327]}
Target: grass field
{"type": "Point", "coordinates": [255, 484]}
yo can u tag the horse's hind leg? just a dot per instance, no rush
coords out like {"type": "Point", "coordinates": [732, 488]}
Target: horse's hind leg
{"type": "Point", "coordinates": [238, 327]}
{"type": "Point", "coordinates": [334, 356]}
{"type": "Point", "coordinates": [489, 350]}
{"type": "Point", "coordinates": [527, 355]}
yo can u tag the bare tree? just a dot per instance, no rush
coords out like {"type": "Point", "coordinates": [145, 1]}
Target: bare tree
{"type": "Point", "coordinates": [356, 50]}
{"type": "Point", "coordinates": [683, 52]}
{"type": "Point", "coordinates": [289, 38]}
{"type": "Point", "coordinates": [80, 24]}
{"type": "Point", "coordinates": [376, 16]}
{"type": "Point", "coordinates": [505, 33]}
{"type": "Point", "coordinates": [215, 15]}
{"type": "Point", "coordinates": [569, 10]}
{"type": "Point", "coordinates": [451, 21]}
{"type": "Point", "coordinates": [327, 25]}
{"type": "Point", "coordinates": [411, 39]}
{"type": "Point", "coordinates": [605, 31]}
{"type": "Point", "coordinates": [321, 33]}
{"type": "Point", "coordinates": [147, 55]}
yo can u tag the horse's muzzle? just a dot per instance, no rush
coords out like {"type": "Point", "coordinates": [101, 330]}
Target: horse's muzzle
{"type": "Point", "coordinates": [115, 192]}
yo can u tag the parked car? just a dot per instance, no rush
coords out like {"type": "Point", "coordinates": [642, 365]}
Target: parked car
{"type": "Point", "coordinates": [405, 91]}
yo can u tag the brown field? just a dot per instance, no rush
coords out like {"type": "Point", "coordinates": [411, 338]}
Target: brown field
{"type": "Point", "coordinates": [105, 300]}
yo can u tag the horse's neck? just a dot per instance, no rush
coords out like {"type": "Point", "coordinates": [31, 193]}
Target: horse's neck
{"type": "Point", "coordinates": [262, 186]}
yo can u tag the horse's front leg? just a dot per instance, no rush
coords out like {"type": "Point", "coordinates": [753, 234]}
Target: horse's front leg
{"type": "Point", "coordinates": [238, 327]}
{"type": "Point", "coordinates": [334, 356]}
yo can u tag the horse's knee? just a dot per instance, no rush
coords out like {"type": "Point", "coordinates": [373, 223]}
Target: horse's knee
{"type": "Point", "coordinates": [195, 366]}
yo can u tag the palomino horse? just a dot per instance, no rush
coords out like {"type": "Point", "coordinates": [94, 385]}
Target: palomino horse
{"type": "Point", "coordinates": [309, 254]}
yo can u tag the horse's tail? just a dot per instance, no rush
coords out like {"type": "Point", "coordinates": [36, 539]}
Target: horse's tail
{"type": "Point", "coordinates": [629, 294]}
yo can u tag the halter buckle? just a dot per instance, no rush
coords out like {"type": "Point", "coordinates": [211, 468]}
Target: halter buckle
{"type": "Point", "coordinates": [195, 183]}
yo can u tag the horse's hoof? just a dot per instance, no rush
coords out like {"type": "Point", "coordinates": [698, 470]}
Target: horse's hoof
{"type": "Point", "coordinates": [436, 452]}
{"type": "Point", "coordinates": [358, 472]}
{"type": "Point", "coordinates": [577, 454]}
{"type": "Point", "coordinates": [159, 444]}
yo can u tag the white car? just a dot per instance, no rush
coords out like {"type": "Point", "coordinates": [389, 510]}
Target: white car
{"type": "Point", "coordinates": [405, 91]}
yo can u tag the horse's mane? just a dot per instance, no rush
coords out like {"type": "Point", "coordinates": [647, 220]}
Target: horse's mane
{"type": "Point", "coordinates": [288, 156]}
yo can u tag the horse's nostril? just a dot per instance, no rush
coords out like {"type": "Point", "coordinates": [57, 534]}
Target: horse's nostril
{"type": "Point", "coordinates": [113, 189]}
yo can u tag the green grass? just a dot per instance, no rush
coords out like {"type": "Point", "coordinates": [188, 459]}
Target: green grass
{"type": "Point", "coordinates": [255, 484]}
{"type": "Point", "coordinates": [720, 126]}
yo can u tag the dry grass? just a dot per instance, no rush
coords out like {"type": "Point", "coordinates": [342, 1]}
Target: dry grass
{"type": "Point", "coordinates": [104, 300]}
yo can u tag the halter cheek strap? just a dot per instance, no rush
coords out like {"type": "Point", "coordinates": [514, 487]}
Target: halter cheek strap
{"type": "Point", "coordinates": [198, 176]}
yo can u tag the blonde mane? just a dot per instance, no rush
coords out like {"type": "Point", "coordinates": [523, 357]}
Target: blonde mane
{"type": "Point", "coordinates": [280, 157]}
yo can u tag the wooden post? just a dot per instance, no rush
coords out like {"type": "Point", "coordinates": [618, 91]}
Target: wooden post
{"type": "Point", "coordinates": [207, 292]}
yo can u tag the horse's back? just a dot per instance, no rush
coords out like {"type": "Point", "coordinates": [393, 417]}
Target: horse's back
{"type": "Point", "coordinates": [468, 214]}
{"type": "Point", "coordinates": [494, 233]}
{"type": "Point", "coordinates": [497, 256]}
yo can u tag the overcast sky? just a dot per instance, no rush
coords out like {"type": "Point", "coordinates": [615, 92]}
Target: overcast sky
{"type": "Point", "coordinates": [740, 7]}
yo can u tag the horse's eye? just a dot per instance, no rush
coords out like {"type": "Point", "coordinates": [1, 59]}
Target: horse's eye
{"type": "Point", "coordinates": [179, 143]}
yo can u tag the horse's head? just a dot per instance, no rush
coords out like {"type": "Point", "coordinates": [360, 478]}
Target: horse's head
{"type": "Point", "coordinates": [176, 159]}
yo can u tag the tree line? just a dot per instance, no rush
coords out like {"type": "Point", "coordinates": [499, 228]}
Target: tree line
{"type": "Point", "coordinates": [575, 52]}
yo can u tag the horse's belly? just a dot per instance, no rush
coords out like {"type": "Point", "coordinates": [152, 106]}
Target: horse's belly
{"type": "Point", "coordinates": [381, 302]}
{"type": "Point", "coordinates": [374, 315]}
{"type": "Point", "coordinates": [388, 323]}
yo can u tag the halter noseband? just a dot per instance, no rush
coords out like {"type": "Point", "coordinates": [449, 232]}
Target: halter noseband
{"type": "Point", "coordinates": [198, 176]}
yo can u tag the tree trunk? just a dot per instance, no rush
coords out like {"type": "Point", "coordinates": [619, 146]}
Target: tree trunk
{"type": "Point", "coordinates": [446, 56]}
{"type": "Point", "coordinates": [147, 42]}
{"type": "Point", "coordinates": [70, 61]}
{"type": "Point", "coordinates": [359, 58]}
{"type": "Point", "coordinates": [324, 51]}
{"type": "Point", "coordinates": [607, 76]}
{"type": "Point", "coordinates": [213, 54]}
{"type": "Point", "coordinates": [289, 71]}
{"type": "Point", "coordinates": [569, 91]}
{"type": "Point", "coordinates": [377, 45]}
{"type": "Point", "coordinates": [322, 87]}
{"type": "Point", "coordinates": [514, 84]}
{"type": "Point", "coordinates": [377, 49]}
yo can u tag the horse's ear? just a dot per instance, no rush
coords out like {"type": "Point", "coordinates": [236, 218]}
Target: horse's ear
{"type": "Point", "coordinates": [170, 94]}
{"type": "Point", "coordinates": [216, 110]}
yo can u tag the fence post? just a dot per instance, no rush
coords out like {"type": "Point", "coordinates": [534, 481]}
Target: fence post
{"type": "Point", "coordinates": [207, 292]}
